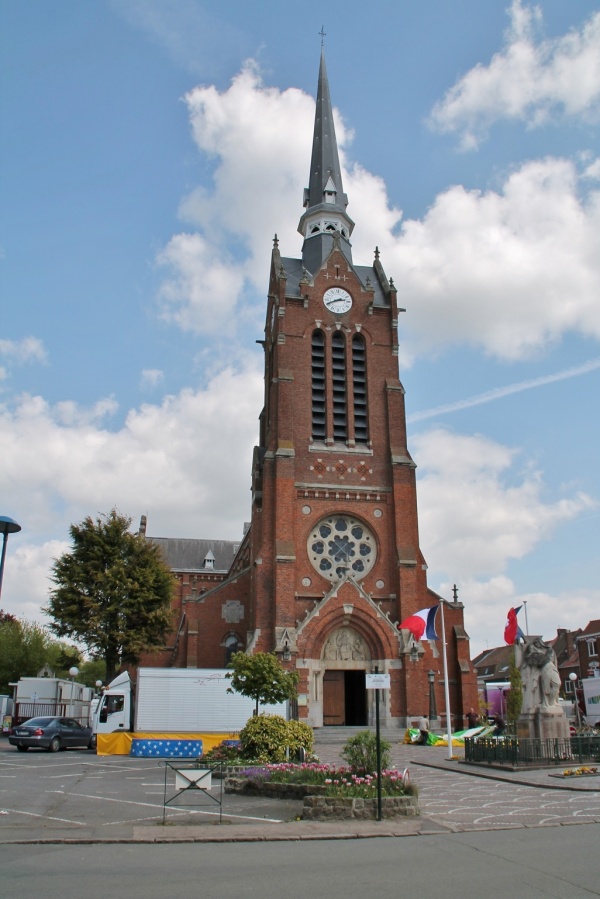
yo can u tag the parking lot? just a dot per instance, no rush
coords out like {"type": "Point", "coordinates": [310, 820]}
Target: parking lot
{"type": "Point", "coordinates": [76, 789]}
{"type": "Point", "coordinates": [76, 794]}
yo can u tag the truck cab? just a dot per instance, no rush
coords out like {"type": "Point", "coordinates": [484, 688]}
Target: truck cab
{"type": "Point", "coordinates": [114, 710]}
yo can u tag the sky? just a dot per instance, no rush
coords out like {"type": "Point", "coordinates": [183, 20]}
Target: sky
{"type": "Point", "coordinates": [152, 148]}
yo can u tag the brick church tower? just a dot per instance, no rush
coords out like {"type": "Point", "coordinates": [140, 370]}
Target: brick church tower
{"type": "Point", "coordinates": [334, 540]}
{"type": "Point", "coordinates": [331, 561]}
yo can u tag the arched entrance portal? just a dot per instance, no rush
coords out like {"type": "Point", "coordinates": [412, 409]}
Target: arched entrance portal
{"type": "Point", "coordinates": [345, 657]}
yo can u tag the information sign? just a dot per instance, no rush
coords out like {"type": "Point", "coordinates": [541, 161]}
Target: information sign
{"type": "Point", "coordinates": [377, 681]}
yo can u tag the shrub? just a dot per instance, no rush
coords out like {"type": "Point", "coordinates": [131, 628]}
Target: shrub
{"type": "Point", "coordinates": [265, 738]}
{"type": "Point", "coordinates": [224, 752]}
{"type": "Point", "coordinates": [360, 751]}
{"type": "Point", "coordinates": [299, 736]}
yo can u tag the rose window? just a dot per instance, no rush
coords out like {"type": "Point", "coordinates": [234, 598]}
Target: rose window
{"type": "Point", "coordinates": [340, 543]}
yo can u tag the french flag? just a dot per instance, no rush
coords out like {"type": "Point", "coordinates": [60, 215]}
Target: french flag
{"type": "Point", "coordinates": [421, 624]}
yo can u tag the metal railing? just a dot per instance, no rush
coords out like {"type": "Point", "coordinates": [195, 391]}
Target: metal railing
{"type": "Point", "coordinates": [530, 751]}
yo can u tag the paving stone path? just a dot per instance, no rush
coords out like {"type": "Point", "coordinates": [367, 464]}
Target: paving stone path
{"type": "Point", "coordinates": [465, 802]}
{"type": "Point", "coordinates": [459, 800]}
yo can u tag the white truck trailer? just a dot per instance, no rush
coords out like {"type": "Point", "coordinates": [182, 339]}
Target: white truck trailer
{"type": "Point", "coordinates": [591, 697]}
{"type": "Point", "coordinates": [176, 700]}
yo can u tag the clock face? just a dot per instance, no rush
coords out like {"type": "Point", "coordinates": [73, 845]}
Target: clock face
{"type": "Point", "coordinates": [336, 299]}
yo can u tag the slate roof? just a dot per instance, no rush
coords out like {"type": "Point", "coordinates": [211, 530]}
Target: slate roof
{"type": "Point", "coordinates": [184, 554]}
{"type": "Point", "coordinates": [294, 270]}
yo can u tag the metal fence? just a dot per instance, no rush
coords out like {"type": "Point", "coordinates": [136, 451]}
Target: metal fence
{"type": "Point", "coordinates": [527, 751]}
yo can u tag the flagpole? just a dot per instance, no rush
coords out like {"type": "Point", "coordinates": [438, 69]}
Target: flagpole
{"type": "Point", "coordinates": [446, 685]}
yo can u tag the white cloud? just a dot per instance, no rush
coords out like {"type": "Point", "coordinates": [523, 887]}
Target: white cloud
{"type": "Point", "coordinates": [205, 288]}
{"type": "Point", "coordinates": [530, 80]}
{"type": "Point", "coordinates": [26, 350]}
{"type": "Point", "coordinates": [152, 377]}
{"type": "Point", "coordinates": [185, 463]}
{"type": "Point", "coordinates": [27, 575]}
{"type": "Point", "coordinates": [509, 271]}
{"type": "Point", "coordinates": [476, 513]}
{"type": "Point", "coordinates": [487, 603]}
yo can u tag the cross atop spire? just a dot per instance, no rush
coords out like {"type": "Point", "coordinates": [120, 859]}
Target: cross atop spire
{"type": "Point", "coordinates": [323, 34]}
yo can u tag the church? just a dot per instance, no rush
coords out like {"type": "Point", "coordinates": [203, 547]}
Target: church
{"type": "Point", "coordinates": [330, 563]}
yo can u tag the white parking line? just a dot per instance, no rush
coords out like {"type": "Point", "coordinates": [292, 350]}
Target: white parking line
{"type": "Point", "coordinates": [58, 776]}
{"type": "Point", "coordinates": [179, 811]}
{"type": "Point", "coordinates": [16, 811]}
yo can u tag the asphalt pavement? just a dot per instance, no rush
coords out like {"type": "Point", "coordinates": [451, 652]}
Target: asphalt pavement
{"type": "Point", "coordinates": [78, 797]}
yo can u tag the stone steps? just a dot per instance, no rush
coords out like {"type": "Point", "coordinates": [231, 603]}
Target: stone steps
{"type": "Point", "coordinates": [328, 736]}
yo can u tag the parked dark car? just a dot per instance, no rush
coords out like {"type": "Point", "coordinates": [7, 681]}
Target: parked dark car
{"type": "Point", "coordinates": [51, 734]}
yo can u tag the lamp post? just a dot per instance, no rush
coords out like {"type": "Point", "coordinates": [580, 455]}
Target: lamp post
{"type": "Point", "coordinates": [432, 705]}
{"type": "Point", "coordinates": [573, 679]}
{"type": "Point", "coordinates": [7, 526]}
{"type": "Point", "coordinates": [98, 687]}
{"type": "Point", "coordinates": [73, 672]}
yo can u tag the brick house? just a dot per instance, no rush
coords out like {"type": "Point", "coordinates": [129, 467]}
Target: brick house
{"type": "Point", "coordinates": [331, 561]}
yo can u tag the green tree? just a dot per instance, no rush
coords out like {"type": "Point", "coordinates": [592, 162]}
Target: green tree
{"type": "Point", "coordinates": [514, 700]}
{"type": "Point", "coordinates": [112, 592]}
{"type": "Point", "coordinates": [91, 671]}
{"type": "Point", "coordinates": [25, 647]}
{"type": "Point", "coordinates": [63, 657]}
{"type": "Point", "coordinates": [262, 677]}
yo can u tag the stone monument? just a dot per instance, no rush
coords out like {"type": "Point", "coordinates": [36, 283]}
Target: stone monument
{"type": "Point", "coordinates": [541, 714]}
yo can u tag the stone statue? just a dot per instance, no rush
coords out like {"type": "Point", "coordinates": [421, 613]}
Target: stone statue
{"type": "Point", "coordinates": [539, 675]}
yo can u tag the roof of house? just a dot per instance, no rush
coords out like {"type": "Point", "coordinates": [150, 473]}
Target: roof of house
{"type": "Point", "coordinates": [592, 629]}
{"type": "Point", "coordinates": [182, 554]}
{"type": "Point", "coordinates": [493, 664]}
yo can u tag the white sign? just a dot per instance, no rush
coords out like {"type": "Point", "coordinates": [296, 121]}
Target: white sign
{"type": "Point", "coordinates": [377, 681]}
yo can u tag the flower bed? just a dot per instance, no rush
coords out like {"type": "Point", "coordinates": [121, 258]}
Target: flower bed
{"type": "Point", "coordinates": [582, 771]}
{"type": "Point", "coordinates": [329, 792]}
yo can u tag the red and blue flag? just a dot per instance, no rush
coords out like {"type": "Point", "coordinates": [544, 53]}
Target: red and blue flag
{"type": "Point", "coordinates": [512, 631]}
{"type": "Point", "coordinates": [421, 624]}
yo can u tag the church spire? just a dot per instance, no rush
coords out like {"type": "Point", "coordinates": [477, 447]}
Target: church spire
{"type": "Point", "coordinates": [325, 202]}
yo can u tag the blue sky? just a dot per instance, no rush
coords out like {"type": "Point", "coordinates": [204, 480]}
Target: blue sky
{"type": "Point", "coordinates": [151, 149]}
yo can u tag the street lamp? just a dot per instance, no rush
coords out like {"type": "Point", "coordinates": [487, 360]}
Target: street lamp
{"type": "Point", "coordinates": [98, 687]}
{"type": "Point", "coordinates": [432, 705]}
{"type": "Point", "coordinates": [573, 679]}
{"type": "Point", "coordinates": [73, 672]}
{"type": "Point", "coordinates": [7, 526]}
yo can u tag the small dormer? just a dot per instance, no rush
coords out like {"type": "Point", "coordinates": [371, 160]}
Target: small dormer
{"type": "Point", "coordinates": [329, 194]}
{"type": "Point", "coordinates": [209, 561]}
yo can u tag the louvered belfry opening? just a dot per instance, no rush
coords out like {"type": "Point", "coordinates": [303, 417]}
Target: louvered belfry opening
{"type": "Point", "coordinates": [338, 377]}
{"type": "Point", "coordinates": [359, 384]}
{"type": "Point", "coordinates": [319, 416]}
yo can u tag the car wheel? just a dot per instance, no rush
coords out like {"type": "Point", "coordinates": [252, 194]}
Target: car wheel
{"type": "Point", "coordinates": [93, 741]}
{"type": "Point", "coordinates": [22, 748]}
{"type": "Point", "coordinates": [54, 744]}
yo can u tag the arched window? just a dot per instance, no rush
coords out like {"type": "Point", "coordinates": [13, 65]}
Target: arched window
{"type": "Point", "coordinates": [319, 417]}
{"type": "Point", "coordinates": [359, 384]}
{"type": "Point", "coordinates": [232, 645]}
{"type": "Point", "coordinates": [338, 376]}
